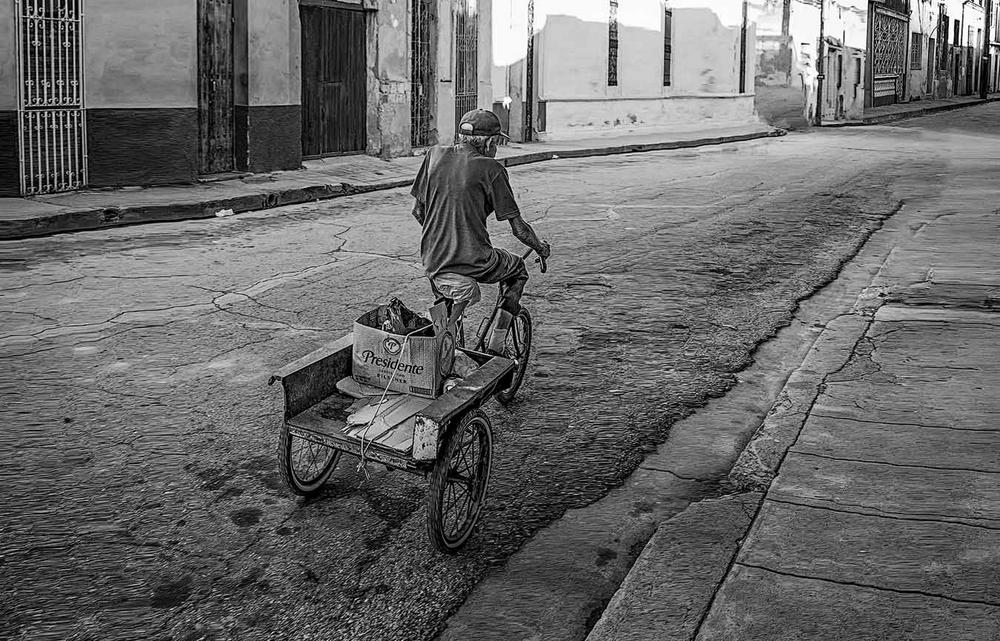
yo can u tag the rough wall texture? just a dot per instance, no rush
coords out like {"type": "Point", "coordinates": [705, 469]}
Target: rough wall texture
{"type": "Point", "coordinates": [142, 146]}
{"type": "Point", "coordinates": [626, 116]}
{"type": "Point", "coordinates": [275, 137]}
{"type": "Point", "coordinates": [269, 129]}
{"type": "Point", "coordinates": [392, 103]}
{"type": "Point", "coordinates": [10, 177]}
{"type": "Point", "coordinates": [274, 45]}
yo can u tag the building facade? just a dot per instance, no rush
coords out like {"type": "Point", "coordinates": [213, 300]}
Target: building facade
{"type": "Point", "coordinates": [875, 53]}
{"type": "Point", "coordinates": [788, 47]}
{"type": "Point", "coordinates": [567, 69]}
{"type": "Point", "coordinates": [945, 50]}
{"type": "Point", "coordinates": [108, 93]}
{"type": "Point", "coordinates": [994, 40]}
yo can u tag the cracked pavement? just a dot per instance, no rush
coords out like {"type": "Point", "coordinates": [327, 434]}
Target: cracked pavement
{"type": "Point", "coordinates": [141, 496]}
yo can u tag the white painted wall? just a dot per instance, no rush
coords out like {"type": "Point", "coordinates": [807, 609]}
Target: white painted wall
{"type": "Point", "coordinates": [572, 64]}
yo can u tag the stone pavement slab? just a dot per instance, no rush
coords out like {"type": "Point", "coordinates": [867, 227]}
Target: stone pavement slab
{"type": "Point", "coordinates": [948, 560]}
{"type": "Point", "coordinates": [954, 495]}
{"type": "Point", "coordinates": [760, 604]}
{"type": "Point", "coordinates": [916, 445]}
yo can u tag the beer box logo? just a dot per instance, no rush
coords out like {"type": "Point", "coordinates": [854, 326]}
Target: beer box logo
{"type": "Point", "coordinates": [392, 346]}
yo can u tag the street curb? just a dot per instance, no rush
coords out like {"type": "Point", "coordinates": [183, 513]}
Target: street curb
{"type": "Point", "coordinates": [926, 111]}
{"type": "Point", "coordinates": [673, 582]}
{"type": "Point", "coordinates": [119, 216]}
{"type": "Point", "coordinates": [758, 463]}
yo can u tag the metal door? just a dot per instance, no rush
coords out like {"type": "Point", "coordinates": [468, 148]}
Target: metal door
{"type": "Point", "coordinates": [333, 81]}
{"type": "Point", "coordinates": [423, 65]}
{"type": "Point", "coordinates": [889, 34]}
{"type": "Point", "coordinates": [467, 59]}
{"type": "Point", "coordinates": [215, 86]}
{"type": "Point", "coordinates": [51, 122]}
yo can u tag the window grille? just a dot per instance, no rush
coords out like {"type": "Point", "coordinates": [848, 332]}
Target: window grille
{"type": "Point", "coordinates": [917, 51]}
{"type": "Point", "coordinates": [613, 44]}
{"type": "Point", "coordinates": [51, 123]}
{"type": "Point", "coordinates": [668, 50]}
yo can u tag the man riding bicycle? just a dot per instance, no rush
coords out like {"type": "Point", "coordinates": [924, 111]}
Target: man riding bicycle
{"type": "Point", "coordinates": [456, 190]}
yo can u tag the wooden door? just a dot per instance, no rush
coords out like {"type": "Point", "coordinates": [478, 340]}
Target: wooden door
{"type": "Point", "coordinates": [215, 86]}
{"type": "Point", "coordinates": [333, 81]}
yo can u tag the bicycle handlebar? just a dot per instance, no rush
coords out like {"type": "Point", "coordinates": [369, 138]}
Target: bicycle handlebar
{"type": "Point", "coordinates": [539, 260]}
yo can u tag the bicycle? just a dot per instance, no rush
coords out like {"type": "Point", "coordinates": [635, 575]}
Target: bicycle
{"type": "Point", "coordinates": [517, 343]}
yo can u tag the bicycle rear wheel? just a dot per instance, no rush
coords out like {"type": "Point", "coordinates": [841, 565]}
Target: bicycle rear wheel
{"type": "Point", "coordinates": [517, 347]}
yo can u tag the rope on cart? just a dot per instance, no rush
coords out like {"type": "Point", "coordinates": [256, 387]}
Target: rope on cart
{"type": "Point", "coordinates": [363, 463]}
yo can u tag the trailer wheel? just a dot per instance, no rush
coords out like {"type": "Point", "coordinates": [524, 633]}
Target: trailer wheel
{"type": "Point", "coordinates": [459, 482]}
{"type": "Point", "coordinates": [304, 465]}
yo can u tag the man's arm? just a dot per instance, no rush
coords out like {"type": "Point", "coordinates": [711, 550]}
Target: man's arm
{"type": "Point", "coordinates": [524, 233]}
{"type": "Point", "coordinates": [418, 212]}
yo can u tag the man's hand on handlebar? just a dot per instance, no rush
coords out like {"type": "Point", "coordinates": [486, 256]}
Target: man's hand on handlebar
{"type": "Point", "coordinates": [544, 250]}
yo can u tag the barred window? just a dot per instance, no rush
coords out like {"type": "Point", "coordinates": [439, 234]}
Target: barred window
{"type": "Point", "coordinates": [668, 53]}
{"type": "Point", "coordinates": [917, 51]}
{"type": "Point", "coordinates": [613, 44]}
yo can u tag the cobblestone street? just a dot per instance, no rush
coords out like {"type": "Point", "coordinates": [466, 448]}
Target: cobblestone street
{"type": "Point", "coordinates": [140, 495]}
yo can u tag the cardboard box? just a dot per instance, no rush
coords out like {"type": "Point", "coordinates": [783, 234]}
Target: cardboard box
{"type": "Point", "coordinates": [412, 364]}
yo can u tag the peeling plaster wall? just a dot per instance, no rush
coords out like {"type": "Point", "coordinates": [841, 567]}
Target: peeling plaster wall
{"type": "Point", "coordinates": [274, 52]}
{"type": "Point", "coordinates": [268, 69]}
{"type": "Point", "coordinates": [391, 106]}
{"type": "Point", "coordinates": [572, 67]}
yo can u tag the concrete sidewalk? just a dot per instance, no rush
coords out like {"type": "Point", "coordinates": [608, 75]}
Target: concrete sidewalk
{"type": "Point", "coordinates": [901, 111]}
{"type": "Point", "coordinates": [318, 180]}
{"type": "Point", "coordinates": [867, 505]}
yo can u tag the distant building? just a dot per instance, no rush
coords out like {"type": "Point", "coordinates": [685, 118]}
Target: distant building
{"type": "Point", "coordinates": [945, 48]}
{"type": "Point", "coordinates": [876, 53]}
{"type": "Point", "coordinates": [574, 68]}
{"type": "Point", "coordinates": [788, 34]}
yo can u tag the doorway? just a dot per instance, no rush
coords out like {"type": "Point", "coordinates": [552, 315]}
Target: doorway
{"type": "Point", "coordinates": [334, 98]}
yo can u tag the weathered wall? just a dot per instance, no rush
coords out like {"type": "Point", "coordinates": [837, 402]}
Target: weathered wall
{"type": "Point", "coordinates": [390, 106]}
{"type": "Point", "coordinates": [141, 92]}
{"type": "Point", "coordinates": [572, 66]}
{"type": "Point", "coordinates": [10, 181]}
{"type": "Point", "coordinates": [269, 118]}
{"type": "Point", "coordinates": [445, 117]}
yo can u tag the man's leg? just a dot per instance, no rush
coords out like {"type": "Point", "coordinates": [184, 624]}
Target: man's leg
{"type": "Point", "coordinates": [512, 275]}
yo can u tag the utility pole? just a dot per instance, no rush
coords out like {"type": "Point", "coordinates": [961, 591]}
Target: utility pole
{"type": "Point", "coordinates": [820, 63]}
{"type": "Point", "coordinates": [984, 79]}
{"type": "Point", "coordinates": [743, 51]}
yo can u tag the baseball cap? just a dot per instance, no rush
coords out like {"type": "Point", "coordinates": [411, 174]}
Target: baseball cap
{"type": "Point", "coordinates": [480, 122]}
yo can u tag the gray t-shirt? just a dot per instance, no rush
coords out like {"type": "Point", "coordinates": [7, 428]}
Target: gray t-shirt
{"type": "Point", "coordinates": [459, 189]}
